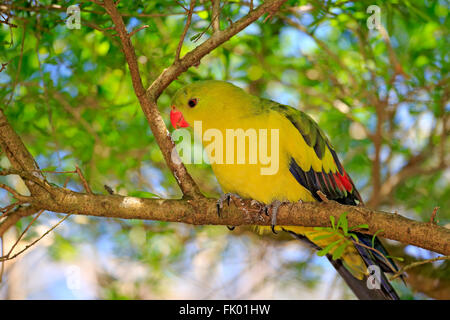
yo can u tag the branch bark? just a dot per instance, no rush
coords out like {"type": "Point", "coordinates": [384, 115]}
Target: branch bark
{"type": "Point", "coordinates": [18, 154]}
{"type": "Point", "coordinates": [15, 216]}
{"type": "Point", "coordinates": [203, 211]}
{"type": "Point", "coordinates": [215, 15]}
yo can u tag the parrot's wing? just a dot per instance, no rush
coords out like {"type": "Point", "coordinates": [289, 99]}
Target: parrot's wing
{"type": "Point", "coordinates": [335, 183]}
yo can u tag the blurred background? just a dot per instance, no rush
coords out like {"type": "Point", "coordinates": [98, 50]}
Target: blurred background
{"type": "Point", "coordinates": [380, 92]}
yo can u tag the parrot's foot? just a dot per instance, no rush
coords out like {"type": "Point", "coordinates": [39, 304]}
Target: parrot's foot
{"type": "Point", "coordinates": [273, 207]}
{"type": "Point", "coordinates": [226, 197]}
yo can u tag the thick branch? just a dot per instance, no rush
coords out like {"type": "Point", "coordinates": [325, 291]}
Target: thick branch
{"type": "Point", "coordinates": [203, 211]}
{"type": "Point", "coordinates": [17, 153]}
{"type": "Point", "coordinates": [15, 216]}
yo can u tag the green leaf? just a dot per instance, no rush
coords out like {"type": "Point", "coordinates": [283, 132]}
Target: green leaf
{"type": "Point", "coordinates": [195, 37]}
{"type": "Point", "coordinates": [374, 236]}
{"type": "Point", "coordinates": [343, 222]}
{"type": "Point", "coordinates": [143, 194]}
{"type": "Point", "coordinates": [354, 236]}
{"type": "Point", "coordinates": [332, 222]}
{"type": "Point", "coordinates": [51, 168]}
{"type": "Point", "coordinates": [396, 258]}
{"type": "Point", "coordinates": [323, 228]}
{"type": "Point", "coordinates": [340, 250]}
{"type": "Point", "coordinates": [327, 249]}
{"type": "Point", "coordinates": [361, 226]}
{"type": "Point", "coordinates": [324, 236]}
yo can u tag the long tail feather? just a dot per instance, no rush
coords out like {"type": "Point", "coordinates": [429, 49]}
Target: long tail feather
{"type": "Point", "coordinates": [360, 287]}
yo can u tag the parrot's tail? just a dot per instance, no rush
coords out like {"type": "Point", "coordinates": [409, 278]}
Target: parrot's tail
{"type": "Point", "coordinates": [362, 288]}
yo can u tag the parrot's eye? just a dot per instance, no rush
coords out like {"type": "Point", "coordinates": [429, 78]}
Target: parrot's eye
{"type": "Point", "coordinates": [192, 102]}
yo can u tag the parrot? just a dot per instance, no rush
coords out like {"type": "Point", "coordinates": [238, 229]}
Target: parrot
{"type": "Point", "coordinates": [306, 163]}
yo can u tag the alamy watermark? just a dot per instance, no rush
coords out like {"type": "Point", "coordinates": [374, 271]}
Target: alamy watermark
{"type": "Point", "coordinates": [374, 278]}
{"type": "Point", "coordinates": [262, 148]}
{"type": "Point", "coordinates": [73, 17]}
{"type": "Point", "coordinates": [374, 21]}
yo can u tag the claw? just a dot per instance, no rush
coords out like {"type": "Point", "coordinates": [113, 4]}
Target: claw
{"type": "Point", "coordinates": [274, 206]}
{"type": "Point", "coordinates": [218, 208]}
{"type": "Point", "coordinates": [231, 228]}
{"type": "Point", "coordinates": [266, 209]}
{"type": "Point", "coordinates": [227, 197]}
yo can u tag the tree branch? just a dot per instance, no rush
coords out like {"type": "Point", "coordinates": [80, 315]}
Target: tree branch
{"type": "Point", "coordinates": [186, 28]}
{"type": "Point", "coordinates": [215, 15]}
{"type": "Point", "coordinates": [15, 216]}
{"type": "Point", "coordinates": [427, 278]}
{"type": "Point", "coordinates": [18, 154]}
{"type": "Point", "coordinates": [417, 263]}
{"type": "Point", "coordinates": [203, 211]}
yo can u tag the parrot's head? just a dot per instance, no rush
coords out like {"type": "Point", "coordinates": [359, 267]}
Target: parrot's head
{"type": "Point", "coordinates": [207, 101]}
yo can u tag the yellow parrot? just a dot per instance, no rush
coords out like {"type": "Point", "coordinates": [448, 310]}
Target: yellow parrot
{"type": "Point", "coordinates": [295, 160]}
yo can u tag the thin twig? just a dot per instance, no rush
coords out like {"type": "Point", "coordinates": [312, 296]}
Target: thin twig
{"type": "Point", "coordinates": [18, 68]}
{"type": "Point", "coordinates": [132, 33]}
{"type": "Point", "coordinates": [59, 8]}
{"type": "Point", "coordinates": [4, 66]}
{"type": "Point", "coordinates": [418, 263]}
{"type": "Point", "coordinates": [15, 216]}
{"type": "Point", "coordinates": [9, 208]}
{"type": "Point", "coordinates": [215, 16]}
{"type": "Point", "coordinates": [66, 182]}
{"type": "Point", "coordinates": [186, 27]}
{"type": "Point", "coordinates": [322, 196]}
{"type": "Point", "coordinates": [389, 264]}
{"type": "Point", "coordinates": [9, 24]}
{"type": "Point", "coordinates": [433, 215]}
{"type": "Point", "coordinates": [22, 234]}
{"type": "Point", "coordinates": [3, 258]}
{"type": "Point", "coordinates": [2, 269]}
{"type": "Point", "coordinates": [83, 180]}
{"type": "Point", "coordinates": [16, 195]}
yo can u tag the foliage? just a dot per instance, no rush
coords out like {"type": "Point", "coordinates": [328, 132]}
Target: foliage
{"type": "Point", "coordinates": [340, 230]}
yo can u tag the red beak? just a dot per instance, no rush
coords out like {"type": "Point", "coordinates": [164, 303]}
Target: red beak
{"type": "Point", "coordinates": [177, 119]}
